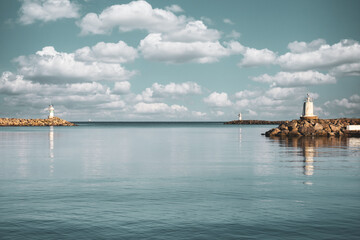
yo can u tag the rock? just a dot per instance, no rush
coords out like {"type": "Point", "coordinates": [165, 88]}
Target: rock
{"type": "Point", "coordinates": [334, 128]}
{"type": "Point", "coordinates": [292, 125]}
{"type": "Point", "coordinates": [34, 122]}
{"type": "Point", "coordinates": [307, 130]}
{"type": "Point", "coordinates": [274, 132]}
{"type": "Point", "coordinates": [318, 127]}
{"type": "Point", "coordinates": [283, 127]}
{"type": "Point", "coordinates": [294, 133]}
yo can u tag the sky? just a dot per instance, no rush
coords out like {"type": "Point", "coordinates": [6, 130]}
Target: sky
{"type": "Point", "coordinates": [185, 60]}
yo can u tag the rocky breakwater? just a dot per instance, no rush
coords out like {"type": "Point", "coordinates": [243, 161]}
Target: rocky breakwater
{"type": "Point", "coordinates": [254, 122]}
{"type": "Point", "coordinates": [317, 127]}
{"type": "Point", "coordinates": [35, 122]}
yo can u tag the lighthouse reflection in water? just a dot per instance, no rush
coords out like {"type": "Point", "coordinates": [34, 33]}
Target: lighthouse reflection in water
{"type": "Point", "coordinates": [51, 149]}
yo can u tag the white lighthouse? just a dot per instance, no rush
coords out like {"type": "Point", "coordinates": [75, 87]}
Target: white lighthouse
{"type": "Point", "coordinates": [239, 117]}
{"type": "Point", "coordinates": [308, 109]}
{"type": "Point", "coordinates": [51, 111]}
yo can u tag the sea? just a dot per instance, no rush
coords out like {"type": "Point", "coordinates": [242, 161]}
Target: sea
{"type": "Point", "coordinates": [176, 180]}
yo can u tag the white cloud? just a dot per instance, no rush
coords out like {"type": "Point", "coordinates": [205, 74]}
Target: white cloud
{"type": "Point", "coordinates": [107, 52]}
{"type": "Point", "coordinates": [302, 47]}
{"type": "Point", "coordinates": [15, 84]}
{"type": "Point", "coordinates": [154, 47]}
{"type": "Point", "coordinates": [351, 103]}
{"type": "Point", "coordinates": [247, 94]}
{"type": "Point", "coordinates": [234, 34]}
{"type": "Point", "coordinates": [113, 105]}
{"type": "Point", "coordinates": [158, 108]}
{"type": "Point", "coordinates": [172, 89]}
{"type": "Point", "coordinates": [79, 98]}
{"type": "Point", "coordinates": [87, 87]}
{"type": "Point", "coordinates": [320, 55]}
{"type": "Point", "coordinates": [351, 69]}
{"type": "Point", "coordinates": [251, 112]}
{"type": "Point", "coordinates": [131, 16]}
{"type": "Point", "coordinates": [345, 107]}
{"type": "Point", "coordinates": [192, 32]}
{"type": "Point", "coordinates": [355, 98]}
{"type": "Point", "coordinates": [255, 57]}
{"type": "Point", "coordinates": [50, 65]}
{"type": "Point", "coordinates": [296, 78]}
{"type": "Point", "coordinates": [121, 87]}
{"type": "Point", "coordinates": [198, 114]}
{"type": "Point", "coordinates": [281, 93]}
{"type": "Point", "coordinates": [228, 21]}
{"type": "Point", "coordinates": [219, 113]}
{"type": "Point", "coordinates": [218, 99]}
{"type": "Point", "coordinates": [157, 91]}
{"type": "Point", "coordinates": [174, 8]}
{"type": "Point", "coordinates": [47, 10]}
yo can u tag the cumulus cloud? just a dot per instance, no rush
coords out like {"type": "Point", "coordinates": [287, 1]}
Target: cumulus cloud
{"type": "Point", "coordinates": [302, 47]}
{"type": "Point", "coordinates": [351, 103]}
{"type": "Point", "coordinates": [47, 10]}
{"type": "Point", "coordinates": [218, 113]}
{"type": "Point", "coordinates": [256, 57]}
{"type": "Point", "coordinates": [174, 8]}
{"type": "Point", "coordinates": [172, 89]}
{"type": "Point", "coordinates": [247, 94]}
{"type": "Point", "coordinates": [351, 69]}
{"type": "Point", "coordinates": [192, 32]}
{"type": "Point", "coordinates": [234, 34]}
{"type": "Point", "coordinates": [318, 54]}
{"type": "Point", "coordinates": [157, 91]}
{"type": "Point", "coordinates": [154, 47]}
{"type": "Point", "coordinates": [78, 98]}
{"type": "Point", "coordinates": [15, 84]}
{"type": "Point", "coordinates": [218, 99]}
{"type": "Point", "coordinates": [121, 87]}
{"type": "Point", "coordinates": [107, 52]}
{"type": "Point", "coordinates": [287, 93]}
{"type": "Point", "coordinates": [349, 107]}
{"type": "Point", "coordinates": [296, 78]}
{"type": "Point", "coordinates": [198, 114]}
{"type": "Point", "coordinates": [131, 16]}
{"type": "Point", "coordinates": [50, 65]}
{"type": "Point", "coordinates": [158, 108]}
{"type": "Point", "coordinates": [228, 21]}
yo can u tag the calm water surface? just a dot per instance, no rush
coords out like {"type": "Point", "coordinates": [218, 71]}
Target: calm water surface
{"type": "Point", "coordinates": [176, 181]}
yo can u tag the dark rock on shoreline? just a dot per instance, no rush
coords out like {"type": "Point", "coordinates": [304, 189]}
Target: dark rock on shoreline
{"type": "Point", "coordinates": [255, 122]}
{"type": "Point", "coordinates": [34, 122]}
{"type": "Point", "coordinates": [315, 127]}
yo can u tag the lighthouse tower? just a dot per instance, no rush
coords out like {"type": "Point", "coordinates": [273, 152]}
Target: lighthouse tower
{"type": "Point", "coordinates": [308, 109]}
{"type": "Point", "coordinates": [239, 117]}
{"type": "Point", "coordinates": [51, 111]}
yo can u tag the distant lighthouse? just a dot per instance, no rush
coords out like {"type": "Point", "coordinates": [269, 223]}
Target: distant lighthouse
{"type": "Point", "coordinates": [51, 111]}
{"type": "Point", "coordinates": [308, 109]}
{"type": "Point", "coordinates": [239, 117]}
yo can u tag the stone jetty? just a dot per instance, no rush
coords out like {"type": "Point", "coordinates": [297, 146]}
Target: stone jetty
{"type": "Point", "coordinates": [55, 121]}
{"type": "Point", "coordinates": [255, 122]}
{"type": "Point", "coordinates": [313, 127]}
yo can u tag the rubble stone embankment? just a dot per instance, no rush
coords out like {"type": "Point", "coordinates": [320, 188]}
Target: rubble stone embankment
{"type": "Point", "coordinates": [315, 127]}
{"type": "Point", "coordinates": [35, 122]}
{"type": "Point", "coordinates": [255, 122]}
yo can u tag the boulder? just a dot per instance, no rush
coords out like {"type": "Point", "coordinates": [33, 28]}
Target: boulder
{"type": "Point", "coordinates": [318, 127]}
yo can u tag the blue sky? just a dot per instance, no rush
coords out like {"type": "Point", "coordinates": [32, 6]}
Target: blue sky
{"type": "Point", "coordinates": [179, 60]}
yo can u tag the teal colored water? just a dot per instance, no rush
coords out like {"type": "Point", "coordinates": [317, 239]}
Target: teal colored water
{"type": "Point", "coordinates": [176, 181]}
